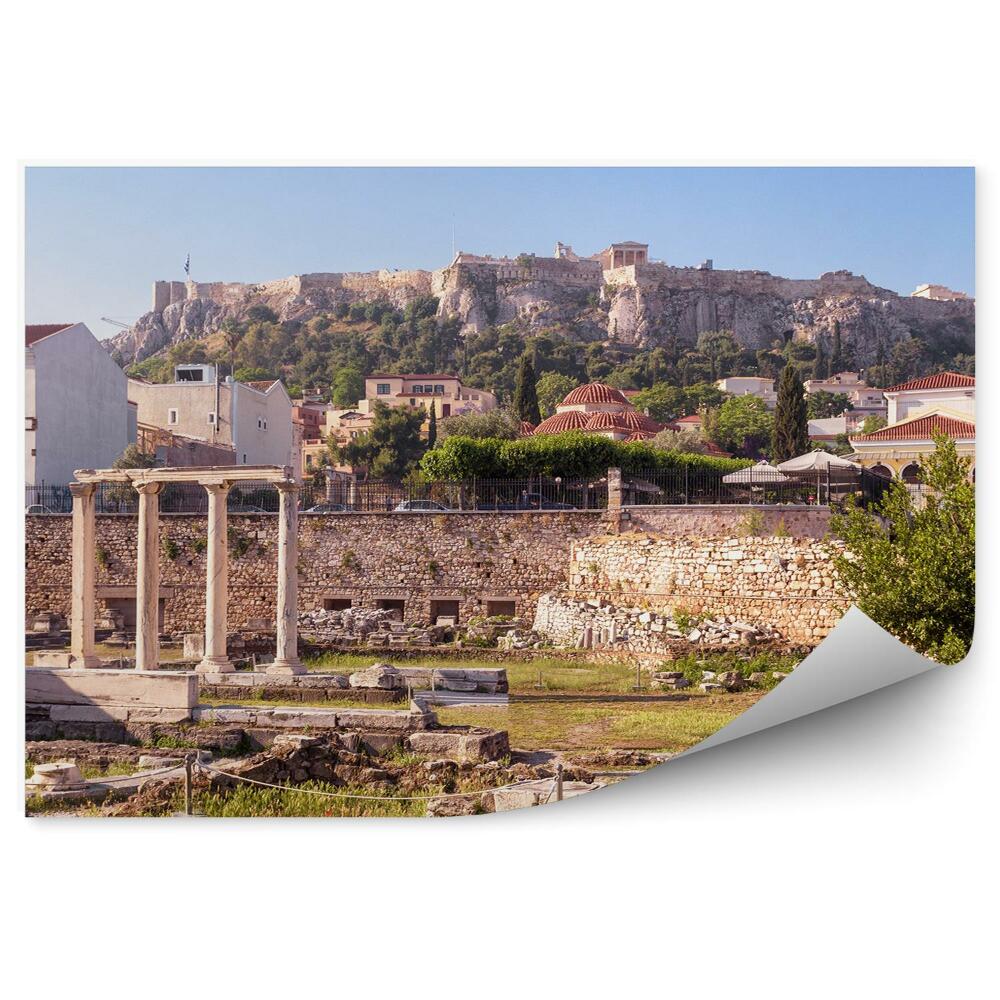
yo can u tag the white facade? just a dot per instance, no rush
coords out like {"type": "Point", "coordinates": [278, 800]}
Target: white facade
{"type": "Point", "coordinates": [77, 414]}
{"type": "Point", "coordinates": [959, 402]}
{"type": "Point", "coordinates": [750, 385]}
{"type": "Point", "coordinates": [255, 419]}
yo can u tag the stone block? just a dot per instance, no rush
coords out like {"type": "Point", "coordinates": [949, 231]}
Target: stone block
{"type": "Point", "coordinates": [146, 688]}
{"type": "Point", "coordinates": [194, 645]}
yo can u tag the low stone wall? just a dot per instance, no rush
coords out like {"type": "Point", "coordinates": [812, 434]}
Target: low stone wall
{"type": "Point", "coordinates": [785, 583]}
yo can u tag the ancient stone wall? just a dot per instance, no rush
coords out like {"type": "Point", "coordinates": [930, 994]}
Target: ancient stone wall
{"type": "Point", "coordinates": [785, 582]}
{"type": "Point", "coordinates": [468, 558]}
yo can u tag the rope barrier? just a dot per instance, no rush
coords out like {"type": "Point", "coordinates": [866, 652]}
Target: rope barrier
{"type": "Point", "coordinates": [351, 795]}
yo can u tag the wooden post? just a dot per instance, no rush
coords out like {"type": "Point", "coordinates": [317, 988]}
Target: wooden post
{"type": "Point", "coordinates": [559, 782]}
{"type": "Point", "coordinates": [188, 761]}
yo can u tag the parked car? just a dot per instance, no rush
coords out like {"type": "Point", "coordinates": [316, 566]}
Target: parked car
{"type": "Point", "coordinates": [326, 508]}
{"type": "Point", "coordinates": [38, 508]}
{"type": "Point", "coordinates": [422, 507]}
{"type": "Point", "coordinates": [246, 508]}
{"type": "Point", "coordinates": [535, 501]}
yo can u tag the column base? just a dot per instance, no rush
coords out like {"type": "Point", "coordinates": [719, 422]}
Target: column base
{"type": "Point", "coordinates": [283, 666]}
{"type": "Point", "coordinates": [215, 665]}
{"type": "Point", "coordinates": [89, 662]}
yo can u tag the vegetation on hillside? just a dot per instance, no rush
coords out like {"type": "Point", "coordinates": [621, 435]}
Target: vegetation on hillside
{"type": "Point", "coordinates": [332, 351]}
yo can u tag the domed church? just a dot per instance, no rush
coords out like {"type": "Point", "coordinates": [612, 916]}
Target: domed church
{"type": "Point", "coordinates": [600, 409]}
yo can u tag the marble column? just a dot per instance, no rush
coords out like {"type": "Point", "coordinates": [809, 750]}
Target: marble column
{"type": "Point", "coordinates": [215, 660]}
{"type": "Point", "coordinates": [82, 653]}
{"type": "Point", "coordinates": [147, 579]}
{"type": "Point", "coordinates": [286, 655]}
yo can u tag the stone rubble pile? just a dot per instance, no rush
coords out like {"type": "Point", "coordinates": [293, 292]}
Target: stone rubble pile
{"type": "Point", "coordinates": [373, 627]}
{"type": "Point", "coordinates": [595, 623]}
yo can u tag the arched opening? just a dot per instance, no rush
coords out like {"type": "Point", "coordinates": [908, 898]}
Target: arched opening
{"type": "Point", "coordinates": [911, 474]}
{"type": "Point", "coordinates": [881, 470]}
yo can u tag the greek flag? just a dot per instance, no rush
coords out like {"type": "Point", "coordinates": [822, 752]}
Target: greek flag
{"type": "Point", "coordinates": [187, 265]}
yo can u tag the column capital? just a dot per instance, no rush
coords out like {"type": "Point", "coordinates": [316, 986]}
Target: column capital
{"type": "Point", "coordinates": [82, 489]}
{"type": "Point", "coordinates": [217, 488]}
{"type": "Point", "coordinates": [148, 489]}
{"type": "Point", "coordinates": [286, 486]}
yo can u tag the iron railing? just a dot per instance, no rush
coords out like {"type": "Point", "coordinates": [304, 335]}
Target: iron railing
{"type": "Point", "coordinates": [751, 486]}
{"type": "Point", "coordinates": [342, 494]}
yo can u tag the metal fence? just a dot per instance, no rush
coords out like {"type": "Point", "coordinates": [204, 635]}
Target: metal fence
{"type": "Point", "coordinates": [341, 494]}
{"type": "Point", "coordinates": [751, 486]}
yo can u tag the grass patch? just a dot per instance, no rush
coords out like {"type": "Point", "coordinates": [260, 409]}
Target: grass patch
{"type": "Point", "coordinates": [552, 724]}
{"type": "Point", "coordinates": [247, 800]}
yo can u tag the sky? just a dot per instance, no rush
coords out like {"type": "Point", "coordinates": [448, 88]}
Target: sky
{"type": "Point", "coordinates": [97, 237]}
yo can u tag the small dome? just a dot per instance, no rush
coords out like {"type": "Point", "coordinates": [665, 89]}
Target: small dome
{"type": "Point", "coordinates": [638, 436]}
{"type": "Point", "coordinates": [572, 421]}
{"type": "Point", "coordinates": [606, 421]}
{"type": "Point", "coordinates": [639, 421]}
{"type": "Point", "coordinates": [527, 428]}
{"type": "Point", "coordinates": [594, 392]}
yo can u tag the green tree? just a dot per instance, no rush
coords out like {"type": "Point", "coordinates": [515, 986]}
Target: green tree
{"type": "Point", "coordinates": [348, 387]}
{"type": "Point", "coordinates": [391, 447]}
{"type": "Point", "coordinates": [497, 424]}
{"type": "Point", "coordinates": [662, 402]}
{"type": "Point", "coordinates": [911, 565]}
{"type": "Point", "coordinates": [822, 404]}
{"type": "Point", "coordinates": [133, 458]}
{"type": "Point", "coordinates": [688, 442]}
{"type": "Point", "coordinates": [525, 394]}
{"type": "Point", "coordinates": [232, 334]}
{"type": "Point", "coordinates": [551, 389]}
{"type": "Point", "coordinates": [742, 425]}
{"type": "Point", "coordinates": [721, 350]}
{"type": "Point", "coordinates": [432, 427]}
{"type": "Point", "coordinates": [873, 423]}
{"type": "Point", "coordinates": [791, 425]}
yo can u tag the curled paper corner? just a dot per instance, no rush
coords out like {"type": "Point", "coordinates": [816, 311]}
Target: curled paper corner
{"type": "Point", "coordinates": [856, 658]}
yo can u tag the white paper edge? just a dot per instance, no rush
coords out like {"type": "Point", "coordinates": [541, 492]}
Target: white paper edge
{"type": "Point", "coordinates": [856, 658]}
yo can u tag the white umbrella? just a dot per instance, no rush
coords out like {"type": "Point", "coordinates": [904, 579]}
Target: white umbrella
{"type": "Point", "coordinates": [817, 461]}
{"type": "Point", "coordinates": [756, 475]}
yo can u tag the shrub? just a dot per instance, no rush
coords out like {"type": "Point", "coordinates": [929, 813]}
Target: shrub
{"type": "Point", "coordinates": [574, 453]}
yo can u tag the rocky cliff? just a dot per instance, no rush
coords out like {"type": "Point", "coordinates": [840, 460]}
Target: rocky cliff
{"type": "Point", "coordinates": [644, 305]}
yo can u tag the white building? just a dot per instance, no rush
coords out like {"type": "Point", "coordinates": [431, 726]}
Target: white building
{"type": "Point", "coordinates": [77, 413]}
{"type": "Point", "coordinates": [950, 393]}
{"type": "Point", "coordinates": [750, 385]}
{"type": "Point", "coordinates": [252, 418]}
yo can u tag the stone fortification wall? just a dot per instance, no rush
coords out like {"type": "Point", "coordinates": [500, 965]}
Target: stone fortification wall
{"type": "Point", "coordinates": [786, 583]}
{"type": "Point", "coordinates": [470, 558]}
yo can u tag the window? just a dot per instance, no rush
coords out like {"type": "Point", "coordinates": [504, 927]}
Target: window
{"type": "Point", "coordinates": [244, 458]}
{"type": "Point", "coordinates": [439, 390]}
{"type": "Point", "coordinates": [171, 416]}
{"type": "Point", "coordinates": [382, 388]}
{"type": "Point", "coordinates": [413, 402]}
{"type": "Point", "coordinates": [336, 603]}
{"type": "Point", "coordinates": [265, 424]}
{"type": "Point", "coordinates": [260, 423]}
{"type": "Point", "coordinates": [211, 418]}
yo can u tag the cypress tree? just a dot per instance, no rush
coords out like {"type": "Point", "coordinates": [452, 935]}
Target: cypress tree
{"type": "Point", "coordinates": [525, 395]}
{"type": "Point", "coordinates": [432, 428]}
{"type": "Point", "coordinates": [791, 424]}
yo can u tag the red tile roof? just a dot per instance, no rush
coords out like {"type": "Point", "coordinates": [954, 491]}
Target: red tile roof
{"type": "Point", "coordinates": [40, 330]}
{"type": "Point", "coordinates": [572, 420]}
{"type": "Point", "coordinates": [594, 392]}
{"type": "Point", "coordinates": [261, 386]}
{"type": "Point", "coordinates": [606, 421]}
{"type": "Point", "coordinates": [694, 418]}
{"type": "Point", "coordinates": [527, 428]}
{"type": "Point", "coordinates": [920, 429]}
{"type": "Point", "coordinates": [943, 380]}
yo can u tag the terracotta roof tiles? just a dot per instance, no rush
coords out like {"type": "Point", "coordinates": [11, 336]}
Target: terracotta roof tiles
{"type": "Point", "coordinates": [942, 380]}
{"type": "Point", "coordinates": [920, 429]}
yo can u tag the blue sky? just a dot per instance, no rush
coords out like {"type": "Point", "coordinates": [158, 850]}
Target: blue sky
{"type": "Point", "coordinates": [97, 237]}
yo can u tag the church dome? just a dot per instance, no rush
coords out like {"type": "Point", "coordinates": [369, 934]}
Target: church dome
{"type": "Point", "coordinates": [574, 420]}
{"type": "Point", "coordinates": [594, 392]}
